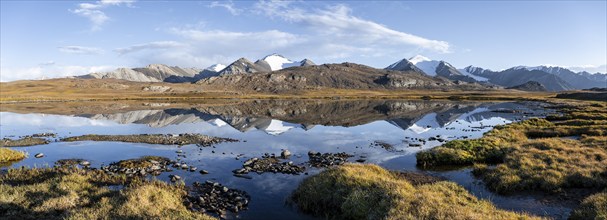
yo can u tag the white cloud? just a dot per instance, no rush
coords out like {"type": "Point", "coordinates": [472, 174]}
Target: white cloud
{"type": "Point", "coordinates": [330, 34]}
{"type": "Point", "coordinates": [229, 5]}
{"type": "Point", "coordinates": [149, 46]}
{"type": "Point", "coordinates": [339, 23]}
{"type": "Point", "coordinates": [93, 11]}
{"type": "Point", "coordinates": [200, 48]}
{"type": "Point", "coordinates": [80, 50]}
{"type": "Point", "coordinates": [49, 71]}
{"type": "Point", "coordinates": [590, 68]}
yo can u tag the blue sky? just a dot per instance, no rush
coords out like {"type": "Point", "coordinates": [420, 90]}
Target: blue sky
{"type": "Point", "coordinates": [53, 39]}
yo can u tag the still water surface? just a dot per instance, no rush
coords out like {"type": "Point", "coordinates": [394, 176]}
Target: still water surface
{"type": "Point", "coordinates": [354, 127]}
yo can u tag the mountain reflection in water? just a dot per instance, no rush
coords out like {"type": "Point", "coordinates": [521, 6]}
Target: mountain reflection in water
{"type": "Point", "coordinates": [276, 117]}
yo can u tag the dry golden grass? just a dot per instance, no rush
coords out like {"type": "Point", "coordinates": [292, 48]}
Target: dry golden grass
{"type": "Point", "coordinates": [357, 191]}
{"type": "Point", "coordinates": [111, 90]}
{"type": "Point", "coordinates": [593, 207]}
{"type": "Point", "coordinates": [551, 164]}
{"type": "Point", "coordinates": [8, 155]}
{"type": "Point", "coordinates": [69, 193]}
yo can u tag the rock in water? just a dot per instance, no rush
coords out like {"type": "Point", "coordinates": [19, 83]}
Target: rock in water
{"type": "Point", "coordinates": [175, 178]}
{"type": "Point", "coordinates": [285, 153]}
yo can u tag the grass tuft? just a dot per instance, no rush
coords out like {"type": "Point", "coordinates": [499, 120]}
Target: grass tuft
{"type": "Point", "coordinates": [593, 207]}
{"type": "Point", "coordinates": [357, 191]}
{"type": "Point", "coordinates": [9, 155]}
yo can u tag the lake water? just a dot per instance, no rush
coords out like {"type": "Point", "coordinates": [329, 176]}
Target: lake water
{"type": "Point", "coordinates": [352, 126]}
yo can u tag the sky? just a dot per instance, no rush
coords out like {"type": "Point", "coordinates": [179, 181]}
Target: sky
{"type": "Point", "coordinates": [45, 39]}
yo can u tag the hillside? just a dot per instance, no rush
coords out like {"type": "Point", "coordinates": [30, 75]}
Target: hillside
{"type": "Point", "coordinates": [337, 76]}
{"type": "Point", "coordinates": [517, 76]}
{"type": "Point", "coordinates": [531, 86]}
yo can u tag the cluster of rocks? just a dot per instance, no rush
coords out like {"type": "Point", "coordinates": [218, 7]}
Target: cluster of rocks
{"type": "Point", "coordinates": [419, 142]}
{"type": "Point", "coordinates": [216, 198]}
{"type": "Point", "coordinates": [45, 134]}
{"type": "Point", "coordinates": [165, 139]}
{"type": "Point", "coordinates": [437, 138]}
{"type": "Point", "coordinates": [73, 163]}
{"type": "Point", "coordinates": [327, 159]}
{"type": "Point", "coordinates": [384, 145]}
{"type": "Point", "coordinates": [185, 166]}
{"type": "Point", "coordinates": [139, 167]}
{"type": "Point", "coordinates": [270, 163]}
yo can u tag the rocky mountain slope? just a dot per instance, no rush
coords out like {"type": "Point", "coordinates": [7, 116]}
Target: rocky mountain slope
{"type": "Point", "coordinates": [517, 76]}
{"type": "Point", "coordinates": [577, 80]}
{"type": "Point", "coordinates": [531, 86]}
{"type": "Point", "coordinates": [343, 76]}
{"type": "Point", "coordinates": [433, 68]}
{"type": "Point", "coordinates": [553, 78]}
{"type": "Point", "coordinates": [150, 73]}
{"type": "Point", "coordinates": [244, 66]}
{"type": "Point", "coordinates": [174, 74]}
{"type": "Point", "coordinates": [269, 63]}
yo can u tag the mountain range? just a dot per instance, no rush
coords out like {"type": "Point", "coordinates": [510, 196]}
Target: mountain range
{"type": "Point", "coordinates": [277, 73]}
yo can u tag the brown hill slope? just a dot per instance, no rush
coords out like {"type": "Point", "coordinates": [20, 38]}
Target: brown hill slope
{"type": "Point", "coordinates": [337, 76]}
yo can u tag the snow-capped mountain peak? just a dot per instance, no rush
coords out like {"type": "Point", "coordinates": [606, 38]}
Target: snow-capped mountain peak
{"type": "Point", "coordinates": [216, 67]}
{"type": "Point", "coordinates": [425, 64]}
{"type": "Point", "coordinates": [418, 58]}
{"type": "Point", "coordinates": [277, 62]}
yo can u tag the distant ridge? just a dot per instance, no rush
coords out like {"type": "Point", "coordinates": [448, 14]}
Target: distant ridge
{"type": "Point", "coordinates": [531, 86]}
{"type": "Point", "coordinates": [553, 78]}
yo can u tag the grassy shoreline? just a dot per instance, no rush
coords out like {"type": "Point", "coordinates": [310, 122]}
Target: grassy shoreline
{"type": "Point", "coordinates": [71, 193]}
{"type": "Point", "coordinates": [536, 154]}
{"type": "Point", "coordinates": [556, 155]}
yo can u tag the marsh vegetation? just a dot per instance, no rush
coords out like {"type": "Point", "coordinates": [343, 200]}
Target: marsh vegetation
{"type": "Point", "coordinates": [356, 191]}
{"type": "Point", "coordinates": [556, 155]}
{"type": "Point", "coordinates": [71, 193]}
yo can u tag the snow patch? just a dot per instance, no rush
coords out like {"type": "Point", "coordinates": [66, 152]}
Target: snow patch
{"type": "Point", "coordinates": [278, 127]}
{"type": "Point", "coordinates": [218, 122]}
{"type": "Point", "coordinates": [216, 67]}
{"type": "Point", "coordinates": [278, 62]}
{"type": "Point", "coordinates": [475, 77]}
{"type": "Point", "coordinates": [425, 124]}
{"type": "Point", "coordinates": [429, 67]}
{"type": "Point", "coordinates": [418, 58]}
